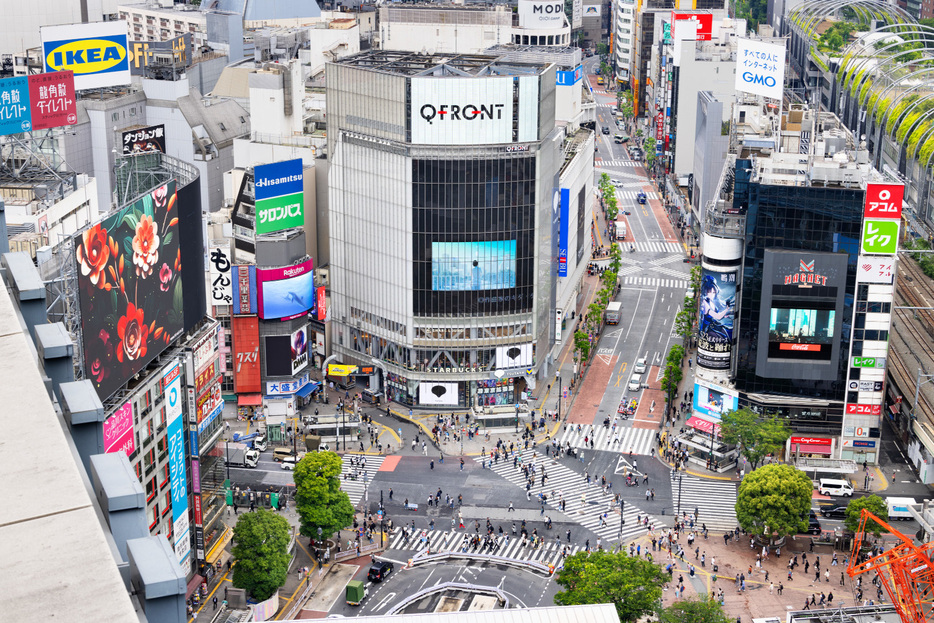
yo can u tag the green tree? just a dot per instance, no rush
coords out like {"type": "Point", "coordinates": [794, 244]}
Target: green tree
{"type": "Point", "coordinates": [602, 49]}
{"type": "Point", "coordinates": [616, 257]}
{"type": "Point", "coordinates": [774, 498]}
{"type": "Point", "coordinates": [874, 504]}
{"type": "Point", "coordinates": [756, 436]}
{"type": "Point", "coordinates": [694, 611]}
{"type": "Point", "coordinates": [648, 147]}
{"type": "Point", "coordinates": [582, 344]}
{"type": "Point", "coordinates": [633, 585]}
{"type": "Point", "coordinates": [318, 497]}
{"type": "Point", "coordinates": [261, 548]}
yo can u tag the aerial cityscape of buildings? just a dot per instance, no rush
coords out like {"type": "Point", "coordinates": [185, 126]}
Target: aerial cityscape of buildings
{"type": "Point", "coordinates": [567, 246]}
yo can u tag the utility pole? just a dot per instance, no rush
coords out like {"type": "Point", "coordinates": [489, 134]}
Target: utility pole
{"type": "Point", "coordinates": [382, 515]}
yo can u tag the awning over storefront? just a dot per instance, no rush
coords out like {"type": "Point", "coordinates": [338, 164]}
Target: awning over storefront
{"type": "Point", "coordinates": [308, 389]}
{"type": "Point", "coordinates": [193, 585]}
{"type": "Point", "coordinates": [249, 400]}
{"type": "Point", "coordinates": [804, 448]}
{"type": "Point", "coordinates": [704, 426]}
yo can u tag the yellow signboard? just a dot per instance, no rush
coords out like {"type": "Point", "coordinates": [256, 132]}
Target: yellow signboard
{"type": "Point", "coordinates": [339, 369]}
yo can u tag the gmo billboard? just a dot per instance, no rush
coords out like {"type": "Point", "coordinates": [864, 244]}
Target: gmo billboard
{"type": "Point", "coordinates": [280, 196]}
{"type": "Point", "coordinates": [129, 288]}
{"type": "Point", "coordinates": [97, 53]}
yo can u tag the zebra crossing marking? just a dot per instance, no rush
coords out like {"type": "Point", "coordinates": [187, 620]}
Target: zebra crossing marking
{"type": "Point", "coordinates": [659, 246]}
{"type": "Point", "coordinates": [634, 194]}
{"type": "Point", "coordinates": [639, 440]}
{"type": "Point", "coordinates": [355, 489]}
{"type": "Point", "coordinates": [715, 500]}
{"type": "Point", "coordinates": [508, 546]}
{"type": "Point", "coordinates": [617, 163]}
{"type": "Point", "coordinates": [653, 282]}
{"type": "Point", "coordinates": [586, 503]}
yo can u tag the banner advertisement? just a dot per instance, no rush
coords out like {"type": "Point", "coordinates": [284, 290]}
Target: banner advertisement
{"type": "Point", "coordinates": [760, 68]}
{"type": "Point", "coordinates": [880, 236]}
{"type": "Point", "coordinates": [338, 369]}
{"type": "Point", "coordinates": [286, 388]}
{"type": "Point", "coordinates": [321, 310]}
{"type": "Point", "coordinates": [515, 356]}
{"type": "Point", "coordinates": [208, 401]}
{"type": "Point", "coordinates": [205, 376]}
{"type": "Point", "coordinates": [15, 112]}
{"type": "Point", "coordinates": [577, 13]}
{"type": "Point", "coordinates": [884, 201]}
{"type": "Point", "coordinates": [704, 23]}
{"type": "Point", "coordinates": [319, 342]}
{"type": "Point", "coordinates": [221, 282]}
{"type": "Point", "coordinates": [204, 349]}
{"type": "Point", "coordinates": [286, 293]}
{"type": "Point", "coordinates": [299, 350]}
{"type": "Point", "coordinates": [118, 431]}
{"type": "Point", "coordinates": [280, 196]}
{"type": "Point", "coordinates": [565, 225]}
{"type": "Point", "coordinates": [171, 381]}
{"type": "Point", "coordinates": [442, 394]}
{"type": "Point", "coordinates": [875, 270]}
{"type": "Point", "coordinates": [244, 289]}
{"type": "Point", "coordinates": [97, 53]}
{"type": "Point", "coordinates": [248, 378]}
{"type": "Point", "coordinates": [37, 102]}
{"type": "Point", "coordinates": [541, 14]}
{"type": "Point", "coordinates": [144, 140]}
{"type": "Point", "coordinates": [142, 52]}
{"type": "Point", "coordinates": [461, 111]}
{"type": "Point", "coordinates": [715, 325]}
{"type": "Point", "coordinates": [569, 78]}
{"type": "Point", "coordinates": [711, 401]}
{"type": "Point", "coordinates": [592, 10]}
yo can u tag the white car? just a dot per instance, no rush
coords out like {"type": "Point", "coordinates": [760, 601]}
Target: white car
{"type": "Point", "coordinates": [640, 366]}
{"type": "Point", "coordinates": [289, 463]}
{"type": "Point", "coordinates": [617, 183]}
{"type": "Point", "coordinates": [635, 382]}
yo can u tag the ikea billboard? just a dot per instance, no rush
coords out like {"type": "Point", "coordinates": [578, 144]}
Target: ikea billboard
{"type": "Point", "coordinates": [97, 53]}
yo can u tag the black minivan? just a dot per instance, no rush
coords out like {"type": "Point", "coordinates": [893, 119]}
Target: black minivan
{"type": "Point", "coordinates": [379, 570]}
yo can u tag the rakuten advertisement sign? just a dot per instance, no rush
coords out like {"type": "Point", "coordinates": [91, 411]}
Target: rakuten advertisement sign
{"type": "Point", "coordinates": [884, 201]}
{"type": "Point", "coordinates": [541, 14]}
{"type": "Point", "coordinates": [760, 68]}
{"type": "Point", "coordinates": [461, 111]}
{"type": "Point", "coordinates": [172, 382]}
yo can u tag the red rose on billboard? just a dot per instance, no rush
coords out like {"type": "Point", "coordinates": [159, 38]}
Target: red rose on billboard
{"type": "Point", "coordinates": [165, 277]}
{"type": "Point", "coordinates": [133, 334]}
{"type": "Point", "coordinates": [146, 245]}
{"type": "Point", "coordinates": [93, 254]}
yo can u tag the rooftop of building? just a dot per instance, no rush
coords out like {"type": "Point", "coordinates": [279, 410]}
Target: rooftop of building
{"type": "Point", "coordinates": [189, 10]}
{"type": "Point", "coordinates": [450, 6]}
{"type": "Point", "coordinates": [567, 57]}
{"type": "Point", "coordinates": [440, 65]}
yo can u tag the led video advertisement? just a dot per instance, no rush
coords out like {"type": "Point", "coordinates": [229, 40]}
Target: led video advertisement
{"type": "Point", "coordinates": [801, 333]}
{"type": "Point", "coordinates": [286, 293]}
{"type": "Point", "coordinates": [473, 265]}
{"type": "Point", "coordinates": [130, 288]}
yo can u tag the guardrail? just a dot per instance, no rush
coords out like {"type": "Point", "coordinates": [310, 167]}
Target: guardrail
{"type": "Point", "coordinates": [475, 588]}
{"type": "Point", "coordinates": [352, 553]}
{"type": "Point", "coordinates": [420, 559]}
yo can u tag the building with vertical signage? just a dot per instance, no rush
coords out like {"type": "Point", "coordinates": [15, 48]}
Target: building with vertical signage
{"type": "Point", "coordinates": [449, 285]}
{"type": "Point", "coordinates": [797, 288]}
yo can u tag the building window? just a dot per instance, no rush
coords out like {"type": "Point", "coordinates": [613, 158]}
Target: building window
{"type": "Point", "coordinates": [155, 516]}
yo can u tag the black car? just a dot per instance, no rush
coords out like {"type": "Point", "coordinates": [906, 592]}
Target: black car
{"type": "Point", "coordinates": [379, 571]}
{"type": "Point", "coordinates": [606, 130]}
{"type": "Point", "coordinates": [834, 512]}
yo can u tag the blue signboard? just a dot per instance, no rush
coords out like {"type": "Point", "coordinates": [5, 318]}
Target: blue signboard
{"type": "Point", "coordinates": [278, 179]}
{"type": "Point", "coordinates": [563, 234]}
{"type": "Point", "coordinates": [569, 78]}
{"type": "Point", "coordinates": [857, 443]}
{"type": "Point", "coordinates": [15, 114]}
{"type": "Point", "coordinates": [178, 485]}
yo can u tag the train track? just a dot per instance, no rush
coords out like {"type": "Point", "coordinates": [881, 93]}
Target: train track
{"type": "Point", "coordinates": [913, 330]}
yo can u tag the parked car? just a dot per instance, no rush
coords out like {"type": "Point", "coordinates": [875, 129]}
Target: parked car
{"type": "Point", "coordinates": [833, 512]}
{"type": "Point", "coordinates": [379, 571]}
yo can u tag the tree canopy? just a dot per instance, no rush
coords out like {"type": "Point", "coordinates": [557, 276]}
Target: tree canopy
{"type": "Point", "coordinates": [874, 504]}
{"type": "Point", "coordinates": [318, 497]}
{"type": "Point", "coordinates": [756, 435]}
{"type": "Point", "coordinates": [694, 611]}
{"type": "Point", "coordinates": [261, 548]}
{"type": "Point", "coordinates": [632, 584]}
{"type": "Point", "coordinates": [774, 499]}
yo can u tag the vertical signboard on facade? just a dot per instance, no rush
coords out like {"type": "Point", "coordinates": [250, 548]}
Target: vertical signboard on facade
{"type": "Point", "coordinates": [221, 283]}
{"type": "Point", "coordinates": [14, 106]}
{"type": "Point", "coordinates": [52, 100]}
{"type": "Point", "coordinates": [280, 196]}
{"type": "Point", "coordinates": [97, 53]}
{"type": "Point", "coordinates": [760, 68]}
{"type": "Point", "coordinates": [244, 289]}
{"type": "Point", "coordinates": [118, 431]}
{"type": "Point", "coordinates": [172, 384]}
{"type": "Point", "coordinates": [563, 233]}
{"type": "Point", "coordinates": [884, 201]}
{"type": "Point", "coordinates": [321, 308]}
{"type": "Point", "coordinates": [247, 374]}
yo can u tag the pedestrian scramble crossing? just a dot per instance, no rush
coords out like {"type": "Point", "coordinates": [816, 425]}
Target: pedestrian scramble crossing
{"type": "Point", "coordinates": [585, 503]}
{"type": "Point", "coordinates": [624, 439]}
{"type": "Point", "coordinates": [658, 247]}
{"type": "Point", "coordinates": [655, 283]}
{"type": "Point", "coordinates": [507, 545]}
{"type": "Point", "coordinates": [715, 501]}
{"type": "Point", "coordinates": [364, 468]}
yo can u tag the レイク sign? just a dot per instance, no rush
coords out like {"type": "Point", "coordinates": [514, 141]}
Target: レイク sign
{"type": "Point", "coordinates": [280, 196]}
{"type": "Point", "coordinates": [884, 201]}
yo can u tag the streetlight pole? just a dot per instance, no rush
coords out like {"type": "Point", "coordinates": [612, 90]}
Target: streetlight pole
{"type": "Point", "coordinates": [343, 427]}
{"type": "Point", "coordinates": [227, 454]}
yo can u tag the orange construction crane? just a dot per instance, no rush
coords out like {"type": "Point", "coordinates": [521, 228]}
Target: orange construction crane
{"type": "Point", "coordinates": [905, 570]}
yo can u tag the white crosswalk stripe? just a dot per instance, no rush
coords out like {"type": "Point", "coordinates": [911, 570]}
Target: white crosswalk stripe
{"type": "Point", "coordinates": [715, 500]}
{"type": "Point", "coordinates": [355, 488]}
{"type": "Point", "coordinates": [616, 163]}
{"type": "Point", "coordinates": [659, 247]}
{"type": "Point", "coordinates": [506, 545]}
{"type": "Point", "coordinates": [564, 482]}
{"type": "Point", "coordinates": [655, 283]}
{"type": "Point", "coordinates": [639, 440]}
{"type": "Point", "coordinates": [634, 194]}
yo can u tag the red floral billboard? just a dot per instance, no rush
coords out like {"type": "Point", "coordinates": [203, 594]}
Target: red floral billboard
{"type": "Point", "coordinates": [130, 288]}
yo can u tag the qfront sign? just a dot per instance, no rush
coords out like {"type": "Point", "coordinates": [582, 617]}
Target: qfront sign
{"type": "Point", "coordinates": [760, 68]}
{"type": "Point", "coordinates": [97, 53]}
{"type": "Point", "coordinates": [280, 196]}
{"type": "Point", "coordinates": [462, 111]}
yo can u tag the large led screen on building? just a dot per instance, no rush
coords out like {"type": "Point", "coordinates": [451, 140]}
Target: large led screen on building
{"type": "Point", "coordinates": [130, 289]}
{"type": "Point", "coordinates": [286, 292]}
{"type": "Point", "coordinates": [801, 333]}
{"type": "Point", "coordinates": [717, 310]}
{"type": "Point", "coordinates": [712, 401]}
{"type": "Point", "coordinates": [473, 265]}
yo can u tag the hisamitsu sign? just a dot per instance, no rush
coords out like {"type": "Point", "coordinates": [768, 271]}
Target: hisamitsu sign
{"type": "Point", "coordinates": [280, 196]}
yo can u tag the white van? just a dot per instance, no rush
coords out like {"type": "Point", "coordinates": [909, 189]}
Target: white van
{"type": "Point", "coordinates": [620, 230]}
{"type": "Point", "coordinates": [829, 486]}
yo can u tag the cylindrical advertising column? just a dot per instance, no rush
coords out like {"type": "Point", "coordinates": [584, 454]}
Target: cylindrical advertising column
{"type": "Point", "coordinates": [720, 272]}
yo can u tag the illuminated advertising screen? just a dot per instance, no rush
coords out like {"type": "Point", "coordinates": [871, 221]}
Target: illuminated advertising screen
{"type": "Point", "coordinates": [716, 318]}
{"type": "Point", "coordinates": [473, 265]}
{"type": "Point", "coordinates": [801, 333]}
{"type": "Point", "coordinates": [712, 402]}
{"type": "Point", "coordinates": [248, 378]}
{"type": "Point", "coordinates": [441, 394]}
{"type": "Point", "coordinates": [299, 350]}
{"type": "Point", "coordinates": [130, 289]}
{"type": "Point", "coordinates": [286, 293]}
{"type": "Point", "coordinates": [278, 355]}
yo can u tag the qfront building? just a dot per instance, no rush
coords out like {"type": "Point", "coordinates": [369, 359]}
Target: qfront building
{"type": "Point", "coordinates": [444, 223]}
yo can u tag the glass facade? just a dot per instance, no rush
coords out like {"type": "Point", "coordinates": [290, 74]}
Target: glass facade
{"type": "Point", "coordinates": [473, 236]}
{"type": "Point", "coordinates": [807, 219]}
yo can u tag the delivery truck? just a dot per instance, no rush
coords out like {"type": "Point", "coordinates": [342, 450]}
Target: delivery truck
{"type": "Point", "coordinates": [898, 508]}
{"type": "Point", "coordinates": [239, 455]}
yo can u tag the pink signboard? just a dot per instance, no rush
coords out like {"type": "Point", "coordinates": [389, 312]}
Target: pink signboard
{"type": "Point", "coordinates": [118, 431]}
